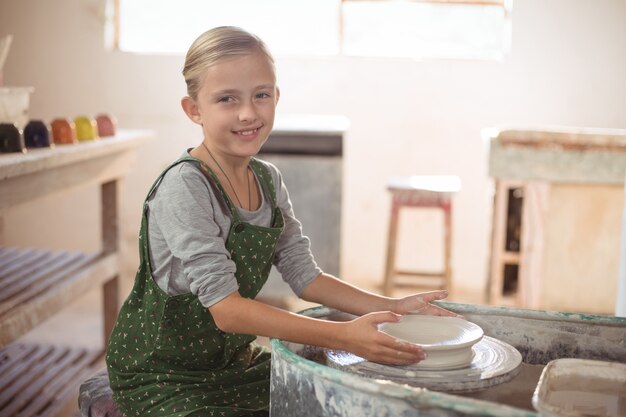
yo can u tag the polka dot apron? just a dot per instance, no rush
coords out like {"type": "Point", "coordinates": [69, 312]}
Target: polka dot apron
{"type": "Point", "coordinates": [166, 356]}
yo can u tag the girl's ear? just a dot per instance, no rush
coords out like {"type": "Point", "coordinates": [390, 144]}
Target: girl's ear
{"type": "Point", "coordinates": [277, 94]}
{"type": "Point", "coordinates": [191, 109]}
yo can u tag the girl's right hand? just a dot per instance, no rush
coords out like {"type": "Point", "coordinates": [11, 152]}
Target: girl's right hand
{"type": "Point", "coordinates": [362, 337]}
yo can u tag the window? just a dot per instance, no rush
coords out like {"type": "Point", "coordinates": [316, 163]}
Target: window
{"type": "Point", "coordinates": [287, 26]}
{"type": "Point", "coordinates": [383, 28]}
{"type": "Point", "coordinates": [426, 29]}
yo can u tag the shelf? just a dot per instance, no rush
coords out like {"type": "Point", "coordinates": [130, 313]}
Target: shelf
{"type": "Point", "coordinates": [35, 284]}
{"type": "Point", "coordinates": [45, 171]}
{"type": "Point", "coordinates": [510, 257]}
{"type": "Point", "coordinates": [40, 380]}
{"type": "Point", "coordinates": [45, 159]}
{"type": "Point", "coordinates": [507, 212]}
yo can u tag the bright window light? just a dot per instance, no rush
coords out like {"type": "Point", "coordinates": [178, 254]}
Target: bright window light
{"type": "Point", "coordinates": [287, 26]}
{"type": "Point", "coordinates": [425, 30]}
{"type": "Point", "coordinates": [383, 28]}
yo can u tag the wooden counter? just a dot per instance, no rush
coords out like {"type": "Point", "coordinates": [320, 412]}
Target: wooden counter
{"type": "Point", "coordinates": [559, 197]}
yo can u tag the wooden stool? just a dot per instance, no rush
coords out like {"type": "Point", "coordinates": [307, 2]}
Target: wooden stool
{"type": "Point", "coordinates": [96, 398]}
{"type": "Point", "coordinates": [421, 191]}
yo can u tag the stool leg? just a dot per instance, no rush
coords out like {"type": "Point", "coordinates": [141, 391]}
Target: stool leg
{"type": "Point", "coordinates": [391, 248]}
{"type": "Point", "coordinates": [447, 227]}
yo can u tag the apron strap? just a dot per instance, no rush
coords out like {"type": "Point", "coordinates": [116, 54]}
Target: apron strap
{"type": "Point", "coordinates": [265, 178]}
{"type": "Point", "coordinates": [143, 236]}
{"type": "Point", "coordinates": [258, 167]}
{"type": "Point", "coordinates": [205, 169]}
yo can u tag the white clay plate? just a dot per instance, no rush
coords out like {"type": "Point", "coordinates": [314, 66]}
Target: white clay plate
{"type": "Point", "coordinates": [493, 362]}
{"type": "Point", "coordinates": [447, 341]}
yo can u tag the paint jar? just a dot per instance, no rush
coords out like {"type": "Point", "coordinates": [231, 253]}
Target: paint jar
{"type": "Point", "coordinates": [63, 131]}
{"type": "Point", "coordinates": [106, 125]}
{"type": "Point", "coordinates": [86, 128]}
{"type": "Point", "coordinates": [14, 104]}
{"type": "Point", "coordinates": [37, 135]}
{"type": "Point", "coordinates": [11, 139]}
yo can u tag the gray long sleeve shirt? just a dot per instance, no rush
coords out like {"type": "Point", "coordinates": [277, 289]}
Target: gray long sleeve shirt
{"type": "Point", "coordinates": [188, 223]}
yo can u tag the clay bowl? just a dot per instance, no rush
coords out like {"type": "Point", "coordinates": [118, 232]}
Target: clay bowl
{"type": "Point", "coordinates": [447, 341]}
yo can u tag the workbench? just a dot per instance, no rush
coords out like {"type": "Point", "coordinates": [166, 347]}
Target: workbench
{"type": "Point", "coordinates": [558, 203]}
{"type": "Point", "coordinates": [36, 283]}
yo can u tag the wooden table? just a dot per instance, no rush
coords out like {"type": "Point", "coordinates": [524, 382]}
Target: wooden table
{"type": "Point", "coordinates": [35, 284]}
{"type": "Point", "coordinates": [559, 197]}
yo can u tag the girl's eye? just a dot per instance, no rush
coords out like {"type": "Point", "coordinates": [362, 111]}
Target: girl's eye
{"type": "Point", "coordinates": [225, 99]}
{"type": "Point", "coordinates": [262, 95]}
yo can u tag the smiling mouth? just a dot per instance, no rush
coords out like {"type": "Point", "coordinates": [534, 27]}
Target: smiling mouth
{"type": "Point", "coordinates": [247, 132]}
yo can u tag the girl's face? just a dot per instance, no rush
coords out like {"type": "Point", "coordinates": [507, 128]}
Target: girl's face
{"type": "Point", "coordinates": [236, 105]}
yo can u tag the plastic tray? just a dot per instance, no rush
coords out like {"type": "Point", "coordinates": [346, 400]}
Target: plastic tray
{"type": "Point", "coordinates": [581, 388]}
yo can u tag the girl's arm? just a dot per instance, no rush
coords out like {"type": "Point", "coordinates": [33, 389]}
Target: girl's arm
{"type": "Point", "coordinates": [360, 336]}
{"type": "Point", "coordinates": [332, 292]}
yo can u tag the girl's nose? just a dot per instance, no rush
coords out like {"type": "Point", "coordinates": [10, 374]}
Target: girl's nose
{"type": "Point", "coordinates": [248, 112]}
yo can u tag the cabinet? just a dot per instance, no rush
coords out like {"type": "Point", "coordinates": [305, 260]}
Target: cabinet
{"type": "Point", "coordinates": [559, 197]}
{"type": "Point", "coordinates": [308, 150]}
{"type": "Point", "coordinates": [35, 284]}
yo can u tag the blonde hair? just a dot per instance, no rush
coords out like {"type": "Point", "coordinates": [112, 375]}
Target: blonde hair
{"type": "Point", "coordinates": [214, 45]}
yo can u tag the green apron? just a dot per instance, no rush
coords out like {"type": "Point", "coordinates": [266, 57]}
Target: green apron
{"type": "Point", "coordinates": [166, 356]}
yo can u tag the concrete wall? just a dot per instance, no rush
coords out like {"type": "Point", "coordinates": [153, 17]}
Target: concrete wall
{"type": "Point", "coordinates": [566, 67]}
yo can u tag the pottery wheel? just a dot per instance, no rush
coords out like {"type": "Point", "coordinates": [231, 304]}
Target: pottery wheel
{"type": "Point", "coordinates": [494, 362]}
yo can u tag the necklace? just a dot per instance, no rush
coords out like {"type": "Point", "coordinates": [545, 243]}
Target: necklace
{"type": "Point", "coordinates": [230, 183]}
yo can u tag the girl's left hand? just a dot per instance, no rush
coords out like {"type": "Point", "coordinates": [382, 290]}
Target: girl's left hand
{"type": "Point", "coordinates": [420, 303]}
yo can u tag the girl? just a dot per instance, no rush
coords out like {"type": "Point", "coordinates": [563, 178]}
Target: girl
{"type": "Point", "coordinates": [213, 224]}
